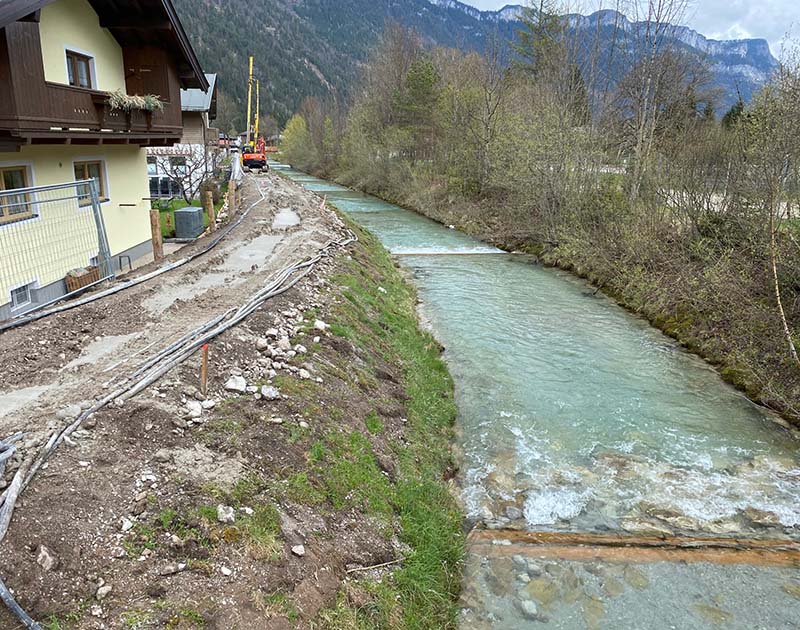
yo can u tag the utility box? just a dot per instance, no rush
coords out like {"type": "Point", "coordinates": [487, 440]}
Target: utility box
{"type": "Point", "coordinates": [188, 223]}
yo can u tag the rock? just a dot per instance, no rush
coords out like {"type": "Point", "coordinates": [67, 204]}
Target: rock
{"type": "Point", "coordinates": [236, 384]}
{"type": "Point", "coordinates": [226, 571]}
{"type": "Point", "coordinates": [226, 514]}
{"type": "Point", "coordinates": [304, 374]}
{"type": "Point", "coordinates": [762, 517]}
{"type": "Point", "coordinates": [46, 558]}
{"type": "Point", "coordinates": [172, 569]}
{"type": "Point", "coordinates": [299, 550]}
{"type": "Point", "coordinates": [320, 325]}
{"type": "Point", "coordinates": [103, 592]}
{"type": "Point", "coordinates": [519, 561]}
{"type": "Point", "coordinates": [208, 404]}
{"type": "Point", "coordinates": [180, 423]}
{"type": "Point", "coordinates": [486, 513]}
{"type": "Point", "coordinates": [262, 344]}
{"type": "Point", "coordinates": [194, 409]}
{"type": "Point", "coordinates": [722, 527]}
{"type": "Point", "coordinates": [638, 526]}
{"type": "Point", "coordinates": [162, 456]}
{"type": "Point", "coordinates": [529, 609]}
{"type": "Point", "coordinates": [126, 525]}
{"type": "Point", "coordinates": [69, 413]}
{"type": "Point", "coordinates": [524, 578]}
{"type": "Point", "coordinates": [96, 611]}
{"type": "Point", "coordinates": [269, 392]}
{"type": "Point", "coordinates": [316, 339]}
{"type": "Point", "coordinates": [272, 332]}
{"type": "Point", "coordinates": [513, 512]}
{"type": "Point", "coordinates": [284, 344]}
{"type": "Point", "coordinates": [534, 569]}
{"type": "Point", "coordinates": [300, 349]}
{"type": "Point", "coordinates": [303, 424]}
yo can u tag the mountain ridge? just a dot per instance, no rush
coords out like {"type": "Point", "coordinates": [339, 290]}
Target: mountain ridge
{"type": "Point", "coordinates": [310, 48]}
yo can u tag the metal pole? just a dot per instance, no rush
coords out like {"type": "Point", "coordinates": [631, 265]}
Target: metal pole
{"type": "Point", "coordinates": [104, 250]}
{"type": "Point", "coordinates": [258, 107]}
{"type": "Point", "coordinates": [249, 98]}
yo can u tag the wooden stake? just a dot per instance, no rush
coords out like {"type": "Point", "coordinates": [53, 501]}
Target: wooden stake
{"type": "Point", "coordinates": [232, 198]}
{"type": "Point", "coordinates": [204, 372]}
{"type": "Point", "coordinates": [212, 218]}
{"type": "Point", "coordinates": [155, 230]}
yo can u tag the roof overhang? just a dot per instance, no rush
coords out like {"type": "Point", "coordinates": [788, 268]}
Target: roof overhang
{"type": "Point", "coordinates": [132, 22]}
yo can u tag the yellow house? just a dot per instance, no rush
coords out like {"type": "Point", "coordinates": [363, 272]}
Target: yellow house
{"type": "Point", "coordinates": [60, 60]}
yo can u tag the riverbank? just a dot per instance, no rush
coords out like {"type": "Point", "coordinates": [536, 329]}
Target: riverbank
{"type": "Point", "coordinates": [724, 317]}
{"type": "Point", "coordinates": [309, 488]}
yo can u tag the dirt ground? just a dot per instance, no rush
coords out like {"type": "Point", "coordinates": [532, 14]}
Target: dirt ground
{"type": "Point", "coordinates": [182, 510]}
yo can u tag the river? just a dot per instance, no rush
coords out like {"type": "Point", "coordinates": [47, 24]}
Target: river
{"type": "Point", "coordinates": [577, 417]}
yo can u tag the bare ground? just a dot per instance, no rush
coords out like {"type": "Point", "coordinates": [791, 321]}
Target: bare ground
{"type": "Point", "coordinates": [121, 529]}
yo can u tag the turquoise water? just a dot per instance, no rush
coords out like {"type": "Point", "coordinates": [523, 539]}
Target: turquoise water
{"type": "Point", "coordinates": [575, 415]}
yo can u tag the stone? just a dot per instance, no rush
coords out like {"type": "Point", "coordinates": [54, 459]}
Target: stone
{"type": "Point", "coordinates": [284, 344]}
{"type": "Point", "coordinates": [304, 374]}
{"type": "Point", "coordinates": [180, 423]}
{"type": "Point", "coordinates": [316, 339]}
{"type": "Point", "coordinates": [226, 571]}
{"type": "Point", "coordinates": [194, 409]}
{"type": "Point", "coordinates": [162, 456]}
{"type": "Point", "coordinates": [762, 517]}
{"type": "Point", "coordinates": [534, 569]}
{"type": "Point", "coordinates": [208, 404]}
{"type": "Point", "coordinates": [303, 425]}
{"type": "Point", "coordinates": [126, 525]}
{"type": "Point", "coordinates": [299, 550]}
{"type": "Point", "coordinates": [270, 392]}
{"type": "Point", "coordinates": [103, 592]}
{"type": "Point", "coordinates": [486, 513]}
{"type": "Point", "coordinates": [226, 514]}
{"type": "Point", "coordinates": [236, 384]}
{"type": "Point", "coordinates": [69, 412]}
{"type": "Point", "coordinates": [172, 569]}
{"type": "Point", "coordinates": [529, 609]}
{"type": "Point", "coordinates": [300, 349]}
{"type": "Point", "coordinates": [638, 526]}
{"type": "Point", "coordinates": [513, 512]}
{"type": "Point", "coordinates": [320, 325]}
{"type": "Point", "coordinates": [46, 558]}
{"type": "Point", "coordinates": [272, 332]}
{"type": "Point", "coordinates": [524, 578]}
{"type": "Point", "coordinates": [262, 344]}
{"type": "Point", "coordinates": [96, 611]}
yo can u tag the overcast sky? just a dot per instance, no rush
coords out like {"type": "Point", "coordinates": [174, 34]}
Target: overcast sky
{"type": "Point", "coordinates": [719, 19]}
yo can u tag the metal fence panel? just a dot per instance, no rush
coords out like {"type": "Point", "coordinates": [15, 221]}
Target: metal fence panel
{"type": "Point", "coordinates": [52, 240]}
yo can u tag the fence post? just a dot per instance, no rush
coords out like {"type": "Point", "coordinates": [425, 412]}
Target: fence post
{"type": "Point", "coordinates": [232, 198]}
{"type": "Point", "coordinates": [103, 248]}
{"type": "Point", "coordinates": [155, 230]}
{"type": "Point", "coordinates": [212, 219]}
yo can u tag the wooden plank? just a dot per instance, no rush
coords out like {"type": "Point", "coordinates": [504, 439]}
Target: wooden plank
{"type": "Point", "coordinates": [209, 204]}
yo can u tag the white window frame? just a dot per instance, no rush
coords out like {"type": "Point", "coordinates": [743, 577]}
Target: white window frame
{"type": "Point", "coordinates": [92, 65]}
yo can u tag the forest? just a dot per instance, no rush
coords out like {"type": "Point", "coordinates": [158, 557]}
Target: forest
{"type": "Point", "coordinates": [682, 213]}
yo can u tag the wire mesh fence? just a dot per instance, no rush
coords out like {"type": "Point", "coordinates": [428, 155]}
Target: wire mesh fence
{"type": "Point", "coordinates": [53, 243]}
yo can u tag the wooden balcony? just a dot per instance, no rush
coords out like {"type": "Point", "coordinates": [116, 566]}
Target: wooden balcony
{"type": "Point", "coordinates": [80, 116]}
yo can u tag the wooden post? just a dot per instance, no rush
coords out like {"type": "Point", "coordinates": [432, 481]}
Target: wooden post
{"type": "Point", "coordinates": [155, 229]}
{"type": "Point", "coordinates": [232, 198]}
{"type": "Point", "coordinates": [204, 372]}
{"type": "Point", "coordinates": [212, 218]}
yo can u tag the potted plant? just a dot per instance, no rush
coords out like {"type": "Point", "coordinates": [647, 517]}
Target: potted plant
{"type": "Point", "coordinates": [147, 103]}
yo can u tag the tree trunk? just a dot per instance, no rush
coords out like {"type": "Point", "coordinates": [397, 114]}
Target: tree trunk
{"type": "Point", "coordinates": [773, 254]}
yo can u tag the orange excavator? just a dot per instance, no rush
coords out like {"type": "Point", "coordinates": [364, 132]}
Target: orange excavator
{"type": "Point", "coordinates": [255, 158]}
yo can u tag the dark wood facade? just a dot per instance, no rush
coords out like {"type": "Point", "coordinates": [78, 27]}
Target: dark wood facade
{"type": "Point", "coordinates": [35, 111]}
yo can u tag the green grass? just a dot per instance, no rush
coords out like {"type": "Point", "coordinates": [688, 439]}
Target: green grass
{"type": "Point", "coordinates": [374, 424]}
{"type": "Point", "coordinates": [424, 590]}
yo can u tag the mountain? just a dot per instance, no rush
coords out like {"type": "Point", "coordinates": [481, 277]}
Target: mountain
{"type": "Point", "coordinates": [317, 47]}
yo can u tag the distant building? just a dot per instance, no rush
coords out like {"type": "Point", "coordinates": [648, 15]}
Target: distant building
{"type": "Point", "coordinates": [190, 162]}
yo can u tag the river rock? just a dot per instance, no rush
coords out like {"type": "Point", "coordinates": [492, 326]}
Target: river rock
{"type": "Point", "coordinates": [513, 512]}
{"type": "Point", "coordinates": [762, 517]}
{"type": "Point", "coordinates": [262, 344]}
{"type": "Point", "coordinates": [103, 592]}
{"type": "Point", "coordinates": [529, 609]}
{"type": "Point", "coordinates": [299, 550]}
{"type": "Point", "coordinates": [284, 344]}
{"type": "Point", "coordinates": [236, 384]}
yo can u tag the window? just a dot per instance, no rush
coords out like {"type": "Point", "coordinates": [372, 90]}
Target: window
{"type": "Point", "coordinates": [21, 297]}
{"type": "Point", "coordinates": [152, 166]}
{"type": "Point", "coordinates": [90, 170]}
{"type": "Point", "coordinates": [79, 70]}
{"type": "Point", "coordinates": [14, 207]}
{"type": "Point", "coordinates": [178, 165]}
